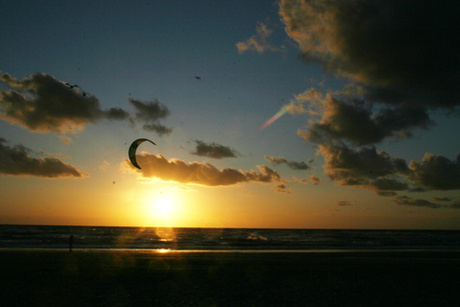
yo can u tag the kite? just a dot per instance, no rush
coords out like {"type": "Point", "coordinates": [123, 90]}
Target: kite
{"type": "Point", "coordinates": [132, 151]}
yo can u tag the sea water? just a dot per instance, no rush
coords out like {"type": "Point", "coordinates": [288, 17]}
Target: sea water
{"type": "Point", "coordinates": [226, 239]}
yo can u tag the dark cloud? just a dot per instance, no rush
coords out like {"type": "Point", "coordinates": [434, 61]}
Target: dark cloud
{"type": "Point", "coordinates": [389, 184]}
{"type": "Point", "coordinates": [291, 164]}
{"type": "Point", "coordinates": [386, 186]}
{"type": "Point", "coordinates": [401, 51]}
{"type": "Point", "coordinates": [159, 129]}
{"type": "Point", "coordinates": [355, 121]}
{"type": "Point", "coordinates": [401, 58]}
{"type": "Point", "coordinates": [157, 166]}
{"type": "Point", "coordinates": [407, 201]}
{"type": "Point", "coordinates": [282, 188]}
{"type": "Point", "coordinates": [149, 113]}
{"type": "Point", "coordinates": [442, 199]}
{"type": "Point", "coordinates": [385, 193]}
{"type": "Point", "coordinates": [149, 110]}
{"type": "Point", "coordinates": [117, 114]}
{"type": "Point", "coordinates": [436, 172]}
{"type": "Point", "coordinates": [315, 180]}
{"type": "Point", "coordinates": [455, 205]}
{"type": "Point", "coordinates": [43, 104]}
{"type": "Point", "coordinates": [417, 189]}
{"type": "Point", "coordinates": [213, 150]}
{"type": "Point", "coordinates": [16, 161]}
{"type": "Point", "coordinates": [355, 166]}
{"type": "Point", "coordinates": [343, 203]}
{"type": "Point", "coordinates": [385, 175]}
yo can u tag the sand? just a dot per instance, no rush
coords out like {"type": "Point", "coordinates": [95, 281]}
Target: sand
{"type": "Point", "coordinates": [136, 278]}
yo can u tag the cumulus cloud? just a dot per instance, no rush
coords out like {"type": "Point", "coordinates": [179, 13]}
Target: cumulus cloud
{"type": "Point", "coordinates": [401, 51]}
{"type": "Point", "coordinates": [291, 164]}
{"type": "Point", "coordinates": [365, 168]}
{"type": "Point", "coordinates": [157, 166]}
{"type": "Point", "coordinates": [355, 121]}
{"type": "Point", "coordinates": [257, 42]}
{"type": "Point", "coordinates": [401, 60]}
{"type": "Point", "coordinates": [16, 161]}
{"type": "Point", "coordinates": [352, 166]}
{"type": "Point", "coordinates": [213, 150]}
{"type": "Point", "coordinates": [43, 104]}
{"type": "Point", "coordinates": [436, 172]}
{"type": "Point", "coordinates": [385, 175]}
{"type": "Point", "coordinates": [149, 113]}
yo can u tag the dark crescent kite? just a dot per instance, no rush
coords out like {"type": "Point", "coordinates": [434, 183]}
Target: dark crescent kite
{"type": "Point", "coordinates": [132, 151]}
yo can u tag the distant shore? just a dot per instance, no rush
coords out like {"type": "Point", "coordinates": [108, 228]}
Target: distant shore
{"type": "Point", "coordinates": [143, 278]}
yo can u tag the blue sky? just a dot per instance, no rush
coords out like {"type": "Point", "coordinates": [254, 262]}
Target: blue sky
{"type": "Point", "coordinates": [365, 95]}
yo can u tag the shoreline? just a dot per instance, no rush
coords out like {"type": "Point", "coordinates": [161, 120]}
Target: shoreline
{"type": "Point", "coordinates": [135, 278]}
{"type": "Point", "coordinates": [432, 251]}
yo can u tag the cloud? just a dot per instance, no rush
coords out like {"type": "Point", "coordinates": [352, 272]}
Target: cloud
{"type": "Point", "coordinates": [455, 205]}
{"type": "Point", "coordinates": [400, 58]}
{"type": "Point", "coordinates": [343, 203]}
{"type": "Point", "coordinates": [157, 166]}
{"type": "Point", "coordinates": [213, 150]}
{"type": "Point", "coordinates": [282, 188]}
{"type": "Point", "coordinates": [303, 181]}
{"type": "Point", "coordinates": [117, 114]}
{"type": "Point", "coordinates": [436, 172]}
{"type": "Point", "coordinates": [291, 164]}
{"type": "Point", "coordinates": [65, 139]}
{"type": "Point", "coordinates": [442, 198]}
{"type": "Point", "coordinates": [407, 201]}
{"type": "Point", "coordinates": [354, 166]}
{"type": "Point", "coordinates": [104, 166]}
{"type": "Point", "coordinates": [365, 168]}
{"type": "Point", "coordinates": [15, 161]}
{"type": "Point", "coordinates": [401, 51]}
{"type": "Point", "coordinates": [315, 180]}
{"type": "Point", "coordinates": [257, 42]}
{"type": "Point", "coordinates": [377, 171]}
{"type": "Point", "coordinates": [149, 113]}
{"type": "Point", "coordinates": [43, 104]}
{"type": "Point", "coordinates": [355, 121]}
{"type": "Point", "coordinates": [310, 101]}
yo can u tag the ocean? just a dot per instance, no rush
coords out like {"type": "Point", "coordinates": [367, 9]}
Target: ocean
{"type": "Point", "coordinates": [227, 239]}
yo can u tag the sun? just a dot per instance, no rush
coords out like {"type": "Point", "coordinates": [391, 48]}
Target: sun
{"type": "Point", "coordinates": [165, 209]}
{"type": "Point", "coordinates": [164, 206]}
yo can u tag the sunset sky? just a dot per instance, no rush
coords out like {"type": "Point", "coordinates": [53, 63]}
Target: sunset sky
{"type": "Point", "coordinates": [289, 114]}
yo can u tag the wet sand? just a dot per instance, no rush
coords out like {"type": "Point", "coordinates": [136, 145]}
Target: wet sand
{"type": "Point", "coordinates": [136, 278]}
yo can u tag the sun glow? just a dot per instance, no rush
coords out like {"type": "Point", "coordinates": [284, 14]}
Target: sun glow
{"type": "Point", "coordinates": [164, 206]}
{"type": "Point", "coordinates": [169, 208]}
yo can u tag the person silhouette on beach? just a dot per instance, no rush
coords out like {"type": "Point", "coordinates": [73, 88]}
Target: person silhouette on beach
{"type": "Point", "coordinates": [70, 243]}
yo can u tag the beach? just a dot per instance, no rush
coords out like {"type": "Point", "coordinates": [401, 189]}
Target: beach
{"type": "Point", "coordinates": [33, 277]}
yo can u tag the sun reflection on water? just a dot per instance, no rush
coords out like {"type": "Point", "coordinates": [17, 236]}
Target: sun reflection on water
{"type": "Point", "coordinates": [166, 234]}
